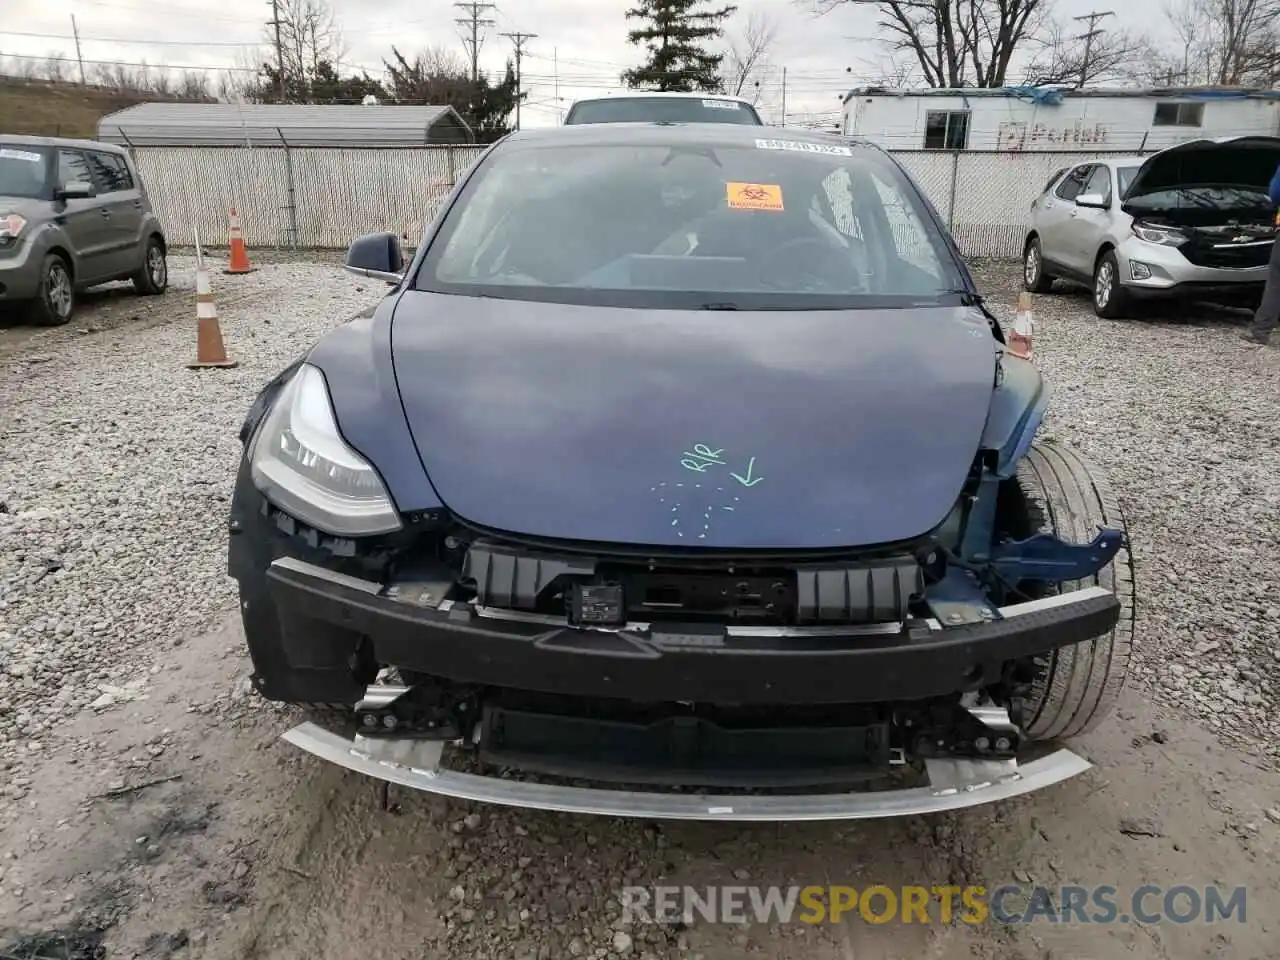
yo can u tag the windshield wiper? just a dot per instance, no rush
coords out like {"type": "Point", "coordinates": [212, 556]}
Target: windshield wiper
{"type": "Point", "coordinates": [967, 297]}
{"type": "Point", "coordinates": [718, 306]}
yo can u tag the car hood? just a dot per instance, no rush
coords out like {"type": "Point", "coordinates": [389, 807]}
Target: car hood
{"type": "Point", "coordinates": [721, 429]}
{"type": "Point", "coordinates": [1246, 162]}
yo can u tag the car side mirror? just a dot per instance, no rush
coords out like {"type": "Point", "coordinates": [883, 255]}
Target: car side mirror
{"type": "Point", "coordinates": [75, 190]}
{"type": "Point", "coordinates": [376, 255]}
{"type": "Point", "coordinates": [1095, 200]}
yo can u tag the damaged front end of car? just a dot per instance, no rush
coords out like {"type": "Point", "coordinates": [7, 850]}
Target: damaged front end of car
{"type": "Point", "coordinates": [679, 683]}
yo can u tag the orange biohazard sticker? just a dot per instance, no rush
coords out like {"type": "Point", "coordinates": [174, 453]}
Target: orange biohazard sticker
{"type": "Point", "coordinates": [754, 196]}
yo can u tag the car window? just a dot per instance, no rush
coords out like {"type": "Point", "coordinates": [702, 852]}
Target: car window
{"type": "Point", "coordinates": [764, 227]}
{"type": "Point", "coordinates": [1124, 176]}
{"type": "Point", "coordinates": [1099, 182]}
{"type": "Point", "coordinates": [658, 109]}
{"type": "Point", "coordinates": [73, 168]}
{"type": "Point", "coordinates": [111, 170]}
{"type": "Point", "coordinates": [1053, 179]}
{"type": "Point", "coordinates": [1074, 183]}
{"type": "Point", "coordinates": [24, 171]}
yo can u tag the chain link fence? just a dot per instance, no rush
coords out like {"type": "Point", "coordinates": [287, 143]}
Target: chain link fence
{"type": "Point", "coordinates": [320, 198]}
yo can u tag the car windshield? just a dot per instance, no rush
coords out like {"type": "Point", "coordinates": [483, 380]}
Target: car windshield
{"type": "Point", "coordinates": [764, 224]}
{"type": "Point", "coordinates": [660, 109]}
{"type": "Point", "coordinates": [23, 171]}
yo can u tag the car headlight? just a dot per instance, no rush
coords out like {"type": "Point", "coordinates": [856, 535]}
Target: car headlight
{"type": "Point", "coordinates": [301, 464]}
{"type": "Point", "coordinates": [11, 225]}
{"type": "Point", "coordinates": [1164, 236]}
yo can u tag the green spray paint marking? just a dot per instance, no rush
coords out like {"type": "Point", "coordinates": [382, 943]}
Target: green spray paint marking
{"type": "Point", "coordinates": [702, 458]}
{"type": "Point", "coordinates": [748, 481]}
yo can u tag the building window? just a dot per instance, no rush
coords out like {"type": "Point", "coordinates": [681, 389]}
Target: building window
{"type": "Point", "coordinates": [1178, 115]}
{"type": "Point", "coordinates": [946, 130]}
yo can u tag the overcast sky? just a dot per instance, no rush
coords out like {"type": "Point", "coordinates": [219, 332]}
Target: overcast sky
{"type": "Point", "coordinates": [582, 42]}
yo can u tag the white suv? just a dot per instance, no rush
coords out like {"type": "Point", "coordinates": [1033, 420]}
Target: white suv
{"type": "Point", "coordinates": [1193, 221]}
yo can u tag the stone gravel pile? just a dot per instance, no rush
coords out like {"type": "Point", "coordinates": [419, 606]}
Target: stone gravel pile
{"type": "Point", "coordinates": [116, 464]}
{"type": "Point", "coordinates": [1184, 419]}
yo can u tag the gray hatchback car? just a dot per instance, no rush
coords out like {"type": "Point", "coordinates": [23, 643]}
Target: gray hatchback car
{"type": "Point", "coordinates": [73, 214]}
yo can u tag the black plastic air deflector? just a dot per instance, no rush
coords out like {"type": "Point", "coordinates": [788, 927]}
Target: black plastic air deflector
{"type": "Point", "coordinates": [858, 593]}
{"type": "Point", "coordinates": [507, 578]}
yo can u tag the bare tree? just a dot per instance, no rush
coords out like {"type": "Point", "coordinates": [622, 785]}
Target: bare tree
{"type": "Point", "coordinates": [55, 67]}
{"type": "Point", "coordinates": [192, 85]}
{"type": "Point", "coordinates": [1069, 61]}
{"type": "Point", "coordinates": [747, 58]}
{"type": "Point", "coordinates": [956, 43]}
{"type": "Point", "coordinates": [309, 36]}
{"type": "Point", "coordinates": [1221, 42]}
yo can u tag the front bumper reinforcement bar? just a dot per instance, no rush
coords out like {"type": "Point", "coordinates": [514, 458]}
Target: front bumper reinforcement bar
{"type": "Point", "coordinates": [953, 785]}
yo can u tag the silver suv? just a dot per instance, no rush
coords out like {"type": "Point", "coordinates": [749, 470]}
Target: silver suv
{"type": "Point", "coordinates": [73, 214]}
{"type": "Point", "coordinates": [1193, 221]}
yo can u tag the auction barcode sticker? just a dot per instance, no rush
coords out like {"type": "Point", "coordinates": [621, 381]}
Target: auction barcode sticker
{"type": "Point", "coordinates": [801, 147]}
{"type": "Point", "coordinates": [20, 155]}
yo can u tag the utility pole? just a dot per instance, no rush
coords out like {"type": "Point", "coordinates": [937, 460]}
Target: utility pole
{"type": "Point", "coordinates": [518, 40]}
{"type": "Point", "coordinates": [784, 96]}
{"type": "Point", "coordinates": [75, 31]}
{"type": "Point", "coordinates": [275, 22]}
{"type": "Point", "coordinates": [474, 21]}
{"type": "Point", "coordinates": [1087, 37]}
{"type": "Point", "coordinates": [555, 66]}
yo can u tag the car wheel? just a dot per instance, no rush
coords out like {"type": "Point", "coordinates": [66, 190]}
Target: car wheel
{"type": "Point", "coordinates": [1074, 687]}
{"type": "Point", "coordinates": [56, 300]}
{"type": "Point", "coordinates": [1034, 279]}
{"type": "Point", "coordinates": [1109, 297]}
{"type": "Point", "coordinates": [152, 278]}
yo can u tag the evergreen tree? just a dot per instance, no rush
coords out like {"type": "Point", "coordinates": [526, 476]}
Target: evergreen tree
{"type": "Point", "coordinates": [674, 33]}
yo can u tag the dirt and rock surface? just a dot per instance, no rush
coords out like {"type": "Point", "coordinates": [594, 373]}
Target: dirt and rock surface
{"type": "Point", "coordinates": [147, 808]}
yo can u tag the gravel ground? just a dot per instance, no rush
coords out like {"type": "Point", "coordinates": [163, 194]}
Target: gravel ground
{"type": "Point", "coordinates": [115, 466]}
{"type": "Point", "coordinates": [1183, 417]}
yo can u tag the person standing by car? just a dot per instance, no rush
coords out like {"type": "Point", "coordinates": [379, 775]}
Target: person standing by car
{"type": "Point", "coordinates": [1268, 315]}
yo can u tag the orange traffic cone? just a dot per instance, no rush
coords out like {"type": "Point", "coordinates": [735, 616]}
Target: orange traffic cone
{"type": "Point", "coordinates": [210, 351]}
{"type": "Point", "coordinates": [1023, 327]}
{"type": "Point", "coordinates": [239, 255]}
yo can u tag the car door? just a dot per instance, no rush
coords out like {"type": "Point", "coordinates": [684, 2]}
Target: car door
{"type": "Point", "coordinates": [1086, 226]}
{"type": "Point", "coordinates": [83, 220]}
{"type": "Point", "coordinates": [120, 197]}
{"type": "Point", "coordinates": [1056, 209]}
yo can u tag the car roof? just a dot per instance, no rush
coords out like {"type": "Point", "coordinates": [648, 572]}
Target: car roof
{"type": "Point", "coordinates": [16, 139]}
{"type": "Point", "coordinates": [666, 94]}
{"type": "Point", "coordinates": [666, 132]}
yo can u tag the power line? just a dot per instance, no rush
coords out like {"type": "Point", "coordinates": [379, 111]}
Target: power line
{"type": "Point", "coordinates": [136, 43]}
{"type": "Point", "coordinates": [474, 21]}
{"type": "Point", "coordinates": [518, 40]}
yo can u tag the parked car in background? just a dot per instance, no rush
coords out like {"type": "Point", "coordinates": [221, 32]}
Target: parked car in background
{"type": "Point", "coordinates": [652, 107]}
{"type": "Point", "coordinates": [1193, 222]}
{"type": "Point", "coordinates": [73, 214]}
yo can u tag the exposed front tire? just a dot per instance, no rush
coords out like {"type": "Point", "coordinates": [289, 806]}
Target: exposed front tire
{"type": "Point", "coordinates": [55, 301]}
{"type": "Point", "coordinates": [1109, 298]}
{"type": "Point", "coordinates": [152, 278]}
{"type": "Point", "coordinates": [1075, 687]}
{"type": "Point", "coordinates": [1034, 279]}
